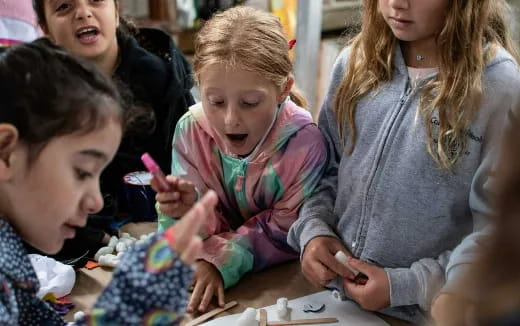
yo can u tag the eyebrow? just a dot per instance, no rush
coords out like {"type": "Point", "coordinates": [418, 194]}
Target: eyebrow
{"type": "Point", "coordinates": [93, 153]}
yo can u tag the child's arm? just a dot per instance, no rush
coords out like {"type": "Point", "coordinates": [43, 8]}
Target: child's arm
{"type": "Point", "coordinates": [316, 217]}
{"type": "Point", "coordinates": [188, 170]}
{"type": "Point", "coordinates": [150, 285]}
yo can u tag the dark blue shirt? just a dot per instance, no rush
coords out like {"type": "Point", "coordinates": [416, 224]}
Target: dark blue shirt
{"type": "Point", "coordinates": [148, 287]}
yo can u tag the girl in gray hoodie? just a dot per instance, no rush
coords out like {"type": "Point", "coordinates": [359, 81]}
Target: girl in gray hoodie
{"type": "Point", "coordinates": [415, 107]}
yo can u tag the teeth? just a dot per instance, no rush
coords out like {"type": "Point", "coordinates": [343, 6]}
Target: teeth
{"type": "Point", "coordinates": [86, 30]}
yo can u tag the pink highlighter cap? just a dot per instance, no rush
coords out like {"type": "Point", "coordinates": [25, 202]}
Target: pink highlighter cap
{"type": "Point", "coordinates": [149, 163]}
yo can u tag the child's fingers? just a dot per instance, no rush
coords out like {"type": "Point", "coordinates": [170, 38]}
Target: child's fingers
{"type": "Point", "coordinates": [185, 185]}
{"type": "Point", "coordinates": [170, 210]}
{"type": "Point", "coordinates": [191, 222]}
{"type": "Point", "coordinates": [173, 180]}
{"type": "Point", "coordinates": [166, 197]}
{"type": "Point", "coordinates": [355, 290]}
{"type": "Point", "coordinates": [189, 255]}
{"type": "Point", "coordinates": [206, 298]}
{"type": "Point", "coordinates": [367, 269]}
{"type": "Point", "coordinates": [186, 228]}
{"type": "Point", "coordinates": [221, 298]}
{"type": "Point", "coordinates": [337, 267]}
{"type": "Point", "coordinates": [196, 296]}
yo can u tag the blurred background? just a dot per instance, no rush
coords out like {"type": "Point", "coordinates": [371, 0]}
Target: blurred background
{"type": "Point", "coordinates": [321, 28]}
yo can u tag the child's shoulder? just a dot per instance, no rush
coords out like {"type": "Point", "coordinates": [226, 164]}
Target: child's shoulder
{"type": "Point", "coordinates": [300, 122]}
{"type": "Point", "coordinates": [502, 74]}
{"type": "Point", "coordinates": [189, 118]}
{"type": "Point", "coordinates": [194, 122]}
{"type": "Point", "coordinates": [502, 66]}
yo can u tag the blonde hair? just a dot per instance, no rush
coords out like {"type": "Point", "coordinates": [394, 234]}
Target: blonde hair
{"type": "Point", "coordinates": [473, 32]}
{"type": "Point", "coordinates": [250, 39]}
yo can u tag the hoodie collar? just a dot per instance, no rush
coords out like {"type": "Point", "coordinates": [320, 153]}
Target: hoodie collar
{"type": "Point", "coordinates": [289, 119]}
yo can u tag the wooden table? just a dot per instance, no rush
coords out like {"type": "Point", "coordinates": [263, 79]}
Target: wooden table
{"type": "Point", "coordinates": [255, 290]}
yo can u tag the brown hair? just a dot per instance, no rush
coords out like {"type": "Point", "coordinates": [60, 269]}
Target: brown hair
{"type": "Point", "coordinates": [455, 94]}
{"type": "Point", "coordinates": [250, 39]}
{"type": "Point", "coordinates": [496, 276]}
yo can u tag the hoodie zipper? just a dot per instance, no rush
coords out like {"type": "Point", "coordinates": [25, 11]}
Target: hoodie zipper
{"type": "Point", "coordinates": [359, 242]}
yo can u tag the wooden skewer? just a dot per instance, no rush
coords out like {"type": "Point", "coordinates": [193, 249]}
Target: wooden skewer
{"type": "Point", "coordinates": [303, 322]}
{"type": "Point", "coordinates": [263, 317]}
{"type": "Point", "coordinates": [212, 313]}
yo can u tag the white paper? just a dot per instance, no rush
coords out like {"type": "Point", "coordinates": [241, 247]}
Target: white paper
{"type": "Point", "coordinates": [347, 312]}
{"type": "Point", "coordinates": [54, 276]}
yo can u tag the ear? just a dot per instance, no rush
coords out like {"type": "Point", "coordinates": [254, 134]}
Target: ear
{"type": "Point", "coordinates": [286, 89]}
{"type": "Point", "coordinates": [8, 142]}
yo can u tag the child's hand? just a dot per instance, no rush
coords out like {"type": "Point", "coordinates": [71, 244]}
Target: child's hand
{"type": "Point", "coordinates": [318, 263]}
{"type": "Point", "coordinates": [207, 283]}
{"type": "Point", "coordinates": [375, 293]}
{"type": "Point", "coordinates": [187, 244]}
{"type": "Point", "coordinates": [177, 201]}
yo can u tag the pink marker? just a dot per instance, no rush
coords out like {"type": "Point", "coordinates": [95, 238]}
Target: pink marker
{"type": "Point", "coordinates": [156, 171]}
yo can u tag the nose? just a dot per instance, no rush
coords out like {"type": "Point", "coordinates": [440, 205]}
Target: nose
{"type": "Point", "coordinates": [231, 117]}
{"type": "Point", "coordinates": [399, 4]}
{"type": "Point", "coordinates": [83, 10]}
{"type": "Point", "coordinates": [93, 201]}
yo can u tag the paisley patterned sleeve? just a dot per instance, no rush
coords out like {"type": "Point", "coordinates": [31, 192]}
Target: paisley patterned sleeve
{"type": "Point", "coordinates": [149, 287]}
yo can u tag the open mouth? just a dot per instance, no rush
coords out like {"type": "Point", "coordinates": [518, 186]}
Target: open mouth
{"type": "Point", "coordinates": [237, 139]}
{"type": "Point", "coordinates": [87, 34]}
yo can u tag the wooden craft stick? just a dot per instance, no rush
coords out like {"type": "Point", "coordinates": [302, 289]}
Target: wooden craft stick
{"type": "Point", "coordinates": [303, 322]}
{"type": "Point", "coordinates": [263, 317]}
{"type": "Point", "coordinates": [212, 313]}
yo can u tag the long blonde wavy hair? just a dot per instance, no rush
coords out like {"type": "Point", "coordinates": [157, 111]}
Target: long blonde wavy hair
{"type": "Point", "coordinates": [250, 39]}
{"type": "Point", "coordinates": [473, 32]}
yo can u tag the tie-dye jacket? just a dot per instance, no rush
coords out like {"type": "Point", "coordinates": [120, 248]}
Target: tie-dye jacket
{"type": "Point", "coordinates": [259, 196]}
{"type": "Point", "coordinates": [149, 287]}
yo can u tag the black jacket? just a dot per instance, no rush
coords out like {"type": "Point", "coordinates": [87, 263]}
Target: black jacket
{"type": "Point", "coordinates": [159, 79]}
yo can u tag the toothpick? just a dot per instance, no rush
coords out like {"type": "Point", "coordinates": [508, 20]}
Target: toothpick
{"type": "Point", "coordinates": [212, 313]}
{"type": "Point", "coordinates": [304, 322]}
{"type": "Point", "coordinates": [263, 317]}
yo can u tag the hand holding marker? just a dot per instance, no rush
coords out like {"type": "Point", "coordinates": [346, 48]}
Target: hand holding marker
{"type": "Point", "coordinates": [342, 258]}
{"type": "Point", "coordinates": [156, 171]}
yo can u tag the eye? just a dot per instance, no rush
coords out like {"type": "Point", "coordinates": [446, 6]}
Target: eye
{"type": "Point", "coordinates": [215, 101]}
{"type": "Point", "coordinates": [82, 174]}
{"type": "Point", "coordinates": [249, 104]}
{"type": "Point", "coordinates": [62, 7]}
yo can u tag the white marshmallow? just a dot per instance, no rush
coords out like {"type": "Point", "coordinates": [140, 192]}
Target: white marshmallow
{"type": "Point", "coordinates": [336, 295]}
{"type": "Point", "coordinates": [282, 309]}
{"type": "Point", "coordinates": [113, 241]}
{"type": "Point", "coordinates": [247, 318]}
{"type": "Point", "coordinates": [103, 251]}
{"type": "Point", "coordinates": [78, 315]}
{"type": "Point", "coordinates": [121, 247]}
{"type": "Point", "coordinates": [342, 258]}
{"type": "Point", "coordinates": [108, 260]}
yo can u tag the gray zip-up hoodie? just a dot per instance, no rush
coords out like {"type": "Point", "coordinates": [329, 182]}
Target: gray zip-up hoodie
{"type": "Point", "coordinates": [388, 202]}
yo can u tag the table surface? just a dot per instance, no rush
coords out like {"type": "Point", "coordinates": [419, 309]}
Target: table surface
{"type": "Point", "coordinates": [255, 290]}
